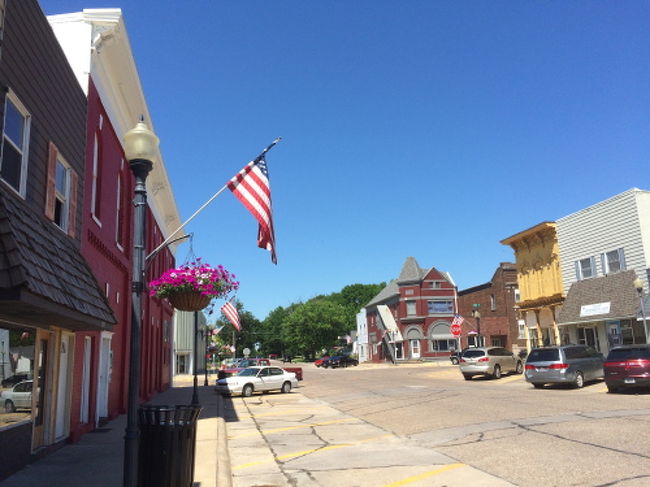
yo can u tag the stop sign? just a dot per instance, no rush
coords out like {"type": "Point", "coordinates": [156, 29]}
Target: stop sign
{"type": "Point", "coordinates": [455, 329]}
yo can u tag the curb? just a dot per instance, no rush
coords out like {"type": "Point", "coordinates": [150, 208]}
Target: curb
{"type": "Point", "coordinates": [224, 474]}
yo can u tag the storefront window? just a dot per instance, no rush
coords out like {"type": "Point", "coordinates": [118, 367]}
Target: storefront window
{"type": "Point", "coordinates": [16, 374]}
{"type": "Point", "coordinates": [632, 332]}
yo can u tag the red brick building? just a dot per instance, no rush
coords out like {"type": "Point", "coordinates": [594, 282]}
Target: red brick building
{"type": "Point", "coordinates": [489, 311]}
{"type": "Point", "coordinates": [410, 318]}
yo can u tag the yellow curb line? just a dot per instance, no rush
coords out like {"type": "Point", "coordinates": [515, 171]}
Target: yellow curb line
{"type": "Point", "coordinates": [425, 475]}
{"type": "Point", "coordinates": [307, 452]}
{"type": "Point", "coordinates": [288, 428]}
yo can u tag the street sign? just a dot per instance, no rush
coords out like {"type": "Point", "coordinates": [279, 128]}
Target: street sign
{"type": "Point", "coordinates": [455, 329]}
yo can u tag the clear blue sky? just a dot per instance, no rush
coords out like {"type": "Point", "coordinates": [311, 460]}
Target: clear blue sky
{"type": "Point", "coordinates": [426, 128]}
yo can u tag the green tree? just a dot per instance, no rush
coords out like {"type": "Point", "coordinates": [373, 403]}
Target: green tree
{"type": "Point", "coordinates": [312, 326]}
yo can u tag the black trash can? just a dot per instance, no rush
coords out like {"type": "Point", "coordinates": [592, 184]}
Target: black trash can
{"type": "Point", "coordinates": [167, 445]}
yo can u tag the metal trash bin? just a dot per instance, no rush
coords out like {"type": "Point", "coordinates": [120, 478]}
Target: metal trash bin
{"type": "Point", "coordinates": [167, 445]}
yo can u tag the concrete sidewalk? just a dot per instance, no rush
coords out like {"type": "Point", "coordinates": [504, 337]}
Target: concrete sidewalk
{"type": "Point", "coordinates": [97, 459]}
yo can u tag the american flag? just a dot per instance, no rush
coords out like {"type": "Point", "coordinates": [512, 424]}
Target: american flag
{"type": "Point", "coordinates": [251, 186]}
{"type": "Point", "coordinates": [231, 313]}
{"type": "Point", "coordinates": [458, 320]}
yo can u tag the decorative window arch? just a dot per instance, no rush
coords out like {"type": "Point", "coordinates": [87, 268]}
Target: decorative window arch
{"type": "Point", "coordinates": [413, 332]}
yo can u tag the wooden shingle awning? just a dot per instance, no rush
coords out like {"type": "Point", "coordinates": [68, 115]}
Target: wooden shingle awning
{"type": "Point", "coordinates": [44, 279]}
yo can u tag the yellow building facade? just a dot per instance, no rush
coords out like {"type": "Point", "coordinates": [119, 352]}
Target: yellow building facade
{"type": "Point", "coordinates": [540, 283]}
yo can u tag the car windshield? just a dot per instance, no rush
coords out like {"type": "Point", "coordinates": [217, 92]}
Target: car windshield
{"type": "Point", "coordinates": [544, 355]}
{"type": "Point", "coordinates": [473, 353]}
{"type": "Point", "coordinates": [629, 353]}
{"type": "Point", "coordinates": [248, 372]}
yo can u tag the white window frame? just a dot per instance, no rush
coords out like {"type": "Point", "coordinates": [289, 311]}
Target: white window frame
{"type": "Point", "coordinates": [579, 272]}
{"type": "Point", "coordinates": [64, 198]}
{"type": "Point", "coordinates": [95, 177]}
{"type": "Point", "coordinates": [411, 308]}
{"type": "Point", "coordinates": [620, 253]}
{"type": "Point", "coordinates": [493, 302]}
{"type": "Point", "coordinates": [24, 150]}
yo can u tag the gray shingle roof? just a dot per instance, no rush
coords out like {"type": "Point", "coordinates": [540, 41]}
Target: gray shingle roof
{"type": "Point", "coordinates": [389, 291]}
{"type": "Point", "coordinates": [411, 271]}
{"type": "Point", "coordinates": [38, 259]}
{"type": "Point", "coordinates": [616, 289]}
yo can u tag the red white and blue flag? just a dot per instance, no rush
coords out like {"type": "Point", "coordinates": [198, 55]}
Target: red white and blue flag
{"type": "Point", "coordinates": [230, 312]}
{"type": "Point", "coordinates": [251, 186]}
{"type": "Point", "coordinates": [458, 320]}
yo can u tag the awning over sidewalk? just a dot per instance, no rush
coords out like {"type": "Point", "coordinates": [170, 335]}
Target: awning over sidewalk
{"type": "Point", "coordinates": [44, 280]}
{"type": "Point", "coordinates": [611, 297]}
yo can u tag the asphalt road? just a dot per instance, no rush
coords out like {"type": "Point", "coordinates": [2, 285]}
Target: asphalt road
{"type": "Point", "coordinates": [528, 437]}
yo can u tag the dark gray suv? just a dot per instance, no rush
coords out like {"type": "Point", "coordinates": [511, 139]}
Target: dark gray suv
{"type": "Point", "coordinates": [566, 364]}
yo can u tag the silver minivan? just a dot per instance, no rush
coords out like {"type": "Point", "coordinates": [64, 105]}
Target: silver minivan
{"type": "Point", "coordinates": [490, 361]}
{"type": "Point", "coordinates": [566, 364]}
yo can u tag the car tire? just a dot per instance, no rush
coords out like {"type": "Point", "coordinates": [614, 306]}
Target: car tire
{"type": "Point", "coordinates": [10, 407]}
{"type": "Point", "coordinates": [467, 377]}
{"type": "Point", "coordinates": [537, 385]}
{"type": "Point", "coordinates": [454, 361]}
{"type": "Point", "coordinates": [247, 390]}
{"type": "Point", "coordinates": [286, 388]}
{"type": "Point", "coordinates": [612, 389]}
{"type": "Point", "coordinates": [520, 368]}
{"type": "Point", "coordinates": [579, 381]}
{"type": "Point", "coordinates": [496, 374]}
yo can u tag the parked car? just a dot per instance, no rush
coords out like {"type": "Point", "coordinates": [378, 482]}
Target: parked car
{"type": "Point", "coordinates": [18, 397]}
{"type": "Point", "coordinates": [15, 379]}
{"type": "Point", "coordinates": [490, 361]}
{"type": "Point", "coordinates": [257, 379]}
{"type": "Point", "coordinates": [242, 364]}
{"type": "Point", "coordinates": [627, 366]}
{"type": "Point", "coordinates": [319, 362]}
{"type": "Point", "coordinates": [341, 361]}
{"type": "Point", "coordinates": [565, 364]}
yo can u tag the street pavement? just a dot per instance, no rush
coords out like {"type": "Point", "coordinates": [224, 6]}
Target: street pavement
{"type": "Point", "coordinates": [268, 440]}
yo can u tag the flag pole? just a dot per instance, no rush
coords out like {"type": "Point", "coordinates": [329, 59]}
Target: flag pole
{"type": "Point", "coordinates": [183, 225]}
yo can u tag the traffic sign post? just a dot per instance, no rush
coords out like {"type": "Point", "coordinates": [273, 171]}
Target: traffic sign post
{"type": "Point", "coordinates": [455, 329]}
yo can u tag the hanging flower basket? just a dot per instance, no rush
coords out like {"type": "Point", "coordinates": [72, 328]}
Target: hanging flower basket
{"type": "Point", "coordinates": [192, 286]}
{"type": "Point", "coordinates": [189, 300]}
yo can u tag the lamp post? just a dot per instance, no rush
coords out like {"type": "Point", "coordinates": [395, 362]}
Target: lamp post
{"type": "Point", "coordinates": [638, 284]}
{"type": "Point", "coordinates": [195, 386]}
{"type": "Point", "coordinates": [141, 150]}
{"type": "Point", "coordinates": [476, 314]}
{"type": "Point", "coordinates": [206, 336]}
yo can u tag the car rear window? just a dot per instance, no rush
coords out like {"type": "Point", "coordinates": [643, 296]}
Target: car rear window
{"type": "Point", "coordinates": [629, 353]}
{"type": "Point", "coordinates": [473, 353]}
{"type": "Point", "coordinates": [544, 355]}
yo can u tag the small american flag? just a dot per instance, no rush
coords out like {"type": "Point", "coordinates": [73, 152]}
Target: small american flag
{"type": "Point", "coordinates": [251, 186]}
{"type": "Point", "coordinates": [458, 320]}
{"type": "Point", "coordinates": [231, 313]}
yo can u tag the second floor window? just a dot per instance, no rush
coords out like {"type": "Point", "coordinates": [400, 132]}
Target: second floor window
{"type": "Point", "coordinates": [585, 268]}
{"type": "Point", "coordinates": [62, 195]}
{"type": "Point", "coordinates": [440, 307]}
{"type": "Point", "coordinates": [15, 141]}
{"type": "Point", "coordinates": [613, 261]}
{"type": "Point", "coordinates": [410, 308]}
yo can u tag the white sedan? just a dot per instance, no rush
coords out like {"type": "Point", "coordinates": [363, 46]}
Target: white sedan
{"type": "Point", "coordinates": [254, 379]}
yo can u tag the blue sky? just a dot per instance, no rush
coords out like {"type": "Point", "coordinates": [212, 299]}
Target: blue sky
{"type": "Point", "coordinates": [419, 128]}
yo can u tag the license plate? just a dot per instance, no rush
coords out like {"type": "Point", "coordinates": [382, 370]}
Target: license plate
{"type": "Point", "coordinates": [542, 369]}
{"type": "Point", "coordinates": [629, 381]}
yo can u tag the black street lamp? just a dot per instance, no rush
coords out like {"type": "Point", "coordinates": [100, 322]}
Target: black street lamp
{"type": "Point", "coordinates": [207, 335]}
{"type": "Point", "coordinates": [476, 314]}
{"type": "Point", "coordinates": [141, 150]}
{"type": "Point", "coordinates": [638, 285]}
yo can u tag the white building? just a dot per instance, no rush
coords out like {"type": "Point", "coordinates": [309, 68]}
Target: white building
{"type": "Point", "coordinates": [603, 249]}
{"type": "Point", "coordinates": [361, 342]}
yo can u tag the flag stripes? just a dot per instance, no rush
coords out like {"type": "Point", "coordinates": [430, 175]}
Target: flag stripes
{"type": "Point", "coordinates": [251, 186]}
{"type": "Point", "coordinates": [231, 313]}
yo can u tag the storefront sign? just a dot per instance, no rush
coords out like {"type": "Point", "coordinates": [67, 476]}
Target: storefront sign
{"type": "Point", "coordinates": [595, 309]}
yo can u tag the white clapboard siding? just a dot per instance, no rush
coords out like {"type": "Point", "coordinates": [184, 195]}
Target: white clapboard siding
{"type": "Point", "coordinates": [622, 221]}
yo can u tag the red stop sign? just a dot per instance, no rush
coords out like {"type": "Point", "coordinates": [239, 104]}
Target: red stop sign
{"type": "Point", "coordinates": [455, 329]}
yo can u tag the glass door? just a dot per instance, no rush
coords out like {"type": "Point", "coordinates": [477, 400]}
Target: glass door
{"type": "Point", "coordinates": [415, 348]}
